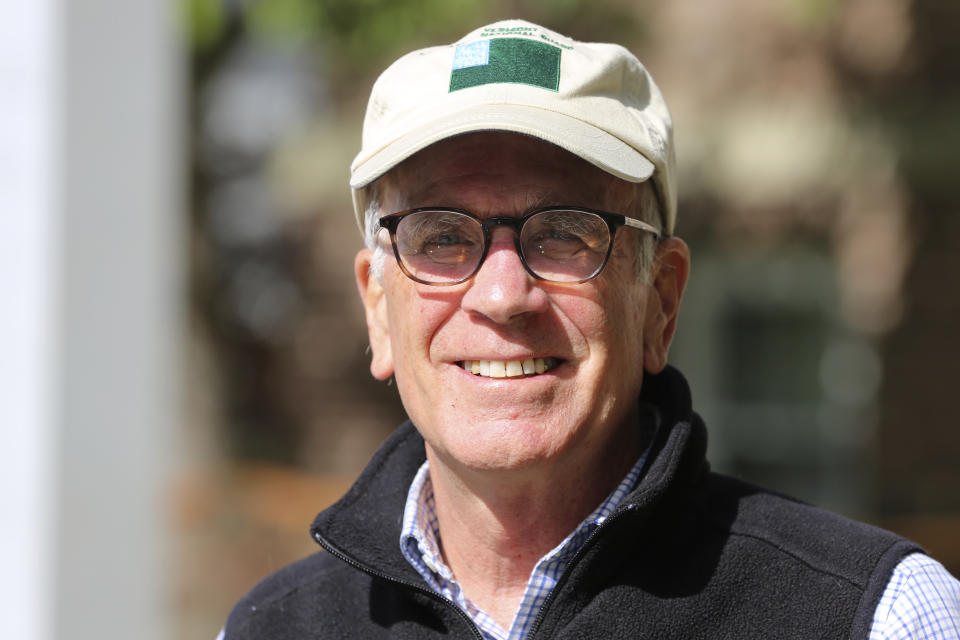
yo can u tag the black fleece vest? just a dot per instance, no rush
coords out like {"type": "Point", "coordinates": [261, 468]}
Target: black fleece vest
{"type": "Point", "coordinates": [689, 554]}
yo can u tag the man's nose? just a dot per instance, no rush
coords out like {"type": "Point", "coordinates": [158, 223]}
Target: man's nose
{"type": "Point", "coordinates": [503, 290]}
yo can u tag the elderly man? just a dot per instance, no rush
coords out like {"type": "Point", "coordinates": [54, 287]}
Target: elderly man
{"type": "Point", "coordinates": [521, 282]}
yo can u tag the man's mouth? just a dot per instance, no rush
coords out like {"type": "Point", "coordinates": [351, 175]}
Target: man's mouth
{"type": "Point", "coordinates": [509, 368]}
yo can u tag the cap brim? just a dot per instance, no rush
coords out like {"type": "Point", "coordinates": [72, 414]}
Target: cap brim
{"type": "Point", "coordinates": [576, 136]}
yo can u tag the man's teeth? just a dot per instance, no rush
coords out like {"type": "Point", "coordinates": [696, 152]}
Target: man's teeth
{"type": "Point", "coordinates": [509, 368]}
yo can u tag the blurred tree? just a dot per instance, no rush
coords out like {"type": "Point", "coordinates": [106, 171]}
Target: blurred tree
{"type": "Point", "coordinates": [919, 100]}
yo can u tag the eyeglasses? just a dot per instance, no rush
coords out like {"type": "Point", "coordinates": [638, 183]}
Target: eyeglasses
{"type": "Point", "coordinates": [439, 246]}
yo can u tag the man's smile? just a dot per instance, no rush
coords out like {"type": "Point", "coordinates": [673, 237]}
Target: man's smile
{"type": "Point", "coordinates": [509, 368]}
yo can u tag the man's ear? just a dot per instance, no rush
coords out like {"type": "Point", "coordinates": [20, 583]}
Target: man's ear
{"type": "Point", "coordinates": [375, 306]}
{"type": "Point", "coordinates": [670, 269]}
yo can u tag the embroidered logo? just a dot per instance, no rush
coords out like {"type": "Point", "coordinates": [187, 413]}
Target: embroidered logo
{"type": "Point", "coordinates": [511, 60]}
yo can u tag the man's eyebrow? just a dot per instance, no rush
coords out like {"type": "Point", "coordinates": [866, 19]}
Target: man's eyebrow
{"type": "Point", "coordinates": [545, 198]}
{"type": "Point", "coordinates": [549, 198]}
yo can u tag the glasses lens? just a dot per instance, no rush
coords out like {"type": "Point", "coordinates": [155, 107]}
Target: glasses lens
{"type": "Point", "coordinates": [439, 246]}
{"type": "Point", "coordinates": [565, 246]}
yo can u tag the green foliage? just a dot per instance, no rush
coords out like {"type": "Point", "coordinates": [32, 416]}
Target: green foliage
{"type": "Point", "coordinates": [811, 14]}
{"type": "Point", "coordinates": [363, 34]}
{"type": "Point", "coordinates": [294, 20]}
{"type": "Point", "coordinates": [202, 22]}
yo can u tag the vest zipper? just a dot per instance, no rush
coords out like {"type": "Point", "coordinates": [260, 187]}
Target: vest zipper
{"type": "Point", "coordinates": [541, 614]}
{"type": "Point", "coordinates": [356, 564]}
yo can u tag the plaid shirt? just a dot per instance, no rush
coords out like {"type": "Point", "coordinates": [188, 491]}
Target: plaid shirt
{"type": "Point", "coordinates": [921, 600]}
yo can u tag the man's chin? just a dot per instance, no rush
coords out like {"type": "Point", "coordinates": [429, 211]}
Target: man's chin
{"type": "Point", "coordinates": [502, 446]}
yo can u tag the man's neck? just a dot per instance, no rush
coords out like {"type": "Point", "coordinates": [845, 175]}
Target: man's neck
{"type": "Point", "coordinates": [495, 525]}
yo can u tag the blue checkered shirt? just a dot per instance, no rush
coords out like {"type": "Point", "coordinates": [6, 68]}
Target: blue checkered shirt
{"type": "Point", "coordinates": [921, 600]}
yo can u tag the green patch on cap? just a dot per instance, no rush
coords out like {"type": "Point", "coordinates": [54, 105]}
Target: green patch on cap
{"type": "Point", "coordinates": [513, 60]}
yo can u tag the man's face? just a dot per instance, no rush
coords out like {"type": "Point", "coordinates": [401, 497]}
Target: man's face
{"type": "Point", "coordinates": [597, 334]}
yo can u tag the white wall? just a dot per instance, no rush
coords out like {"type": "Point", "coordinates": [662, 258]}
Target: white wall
{"type": "Point", "coordinates": [27, 282]}
{"type": "Point", "coordinates": [91, 283]}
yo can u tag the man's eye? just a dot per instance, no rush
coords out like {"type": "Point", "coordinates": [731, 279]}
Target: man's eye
{"type": "Point", "coordinates": [431, 242]}
{"type": "Point", "coordinates": [561, 236]}
{"type": "Point", "coordinates": [558, 245]}
{"type": "Point", "coordinates": [440, 247]}
{"type": "Point", "coordinates": [448, 248]}
{"type": "Point", "coordinates": [446, 239]}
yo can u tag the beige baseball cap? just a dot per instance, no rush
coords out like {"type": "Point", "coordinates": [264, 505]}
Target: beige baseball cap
{"type": "Point", "coordinates": [595, 100]}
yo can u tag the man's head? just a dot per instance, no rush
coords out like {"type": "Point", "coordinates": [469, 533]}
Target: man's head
{"type": "Point", "coordinates": [571, 355]}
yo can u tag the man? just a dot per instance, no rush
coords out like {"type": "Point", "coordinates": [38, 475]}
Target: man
{"type": "Point", "coordinates": [521, 283]}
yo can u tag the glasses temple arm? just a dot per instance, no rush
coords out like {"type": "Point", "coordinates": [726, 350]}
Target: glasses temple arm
{"type": "Point", "coordinates": [640, 224]}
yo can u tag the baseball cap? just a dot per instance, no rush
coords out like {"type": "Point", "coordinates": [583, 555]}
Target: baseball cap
{"type": "Point", "coordinates": [596, 100]}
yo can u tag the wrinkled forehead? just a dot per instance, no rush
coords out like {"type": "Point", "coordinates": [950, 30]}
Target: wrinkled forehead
{"type": "Point", "coordinates": [500, 169]}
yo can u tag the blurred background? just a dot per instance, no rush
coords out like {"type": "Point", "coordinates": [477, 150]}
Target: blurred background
{"type": "Point", "coordinates": [188, 382]}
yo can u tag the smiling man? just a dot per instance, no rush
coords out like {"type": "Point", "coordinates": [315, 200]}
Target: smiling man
{"type": "Point", "coordinates": [522, 282]}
